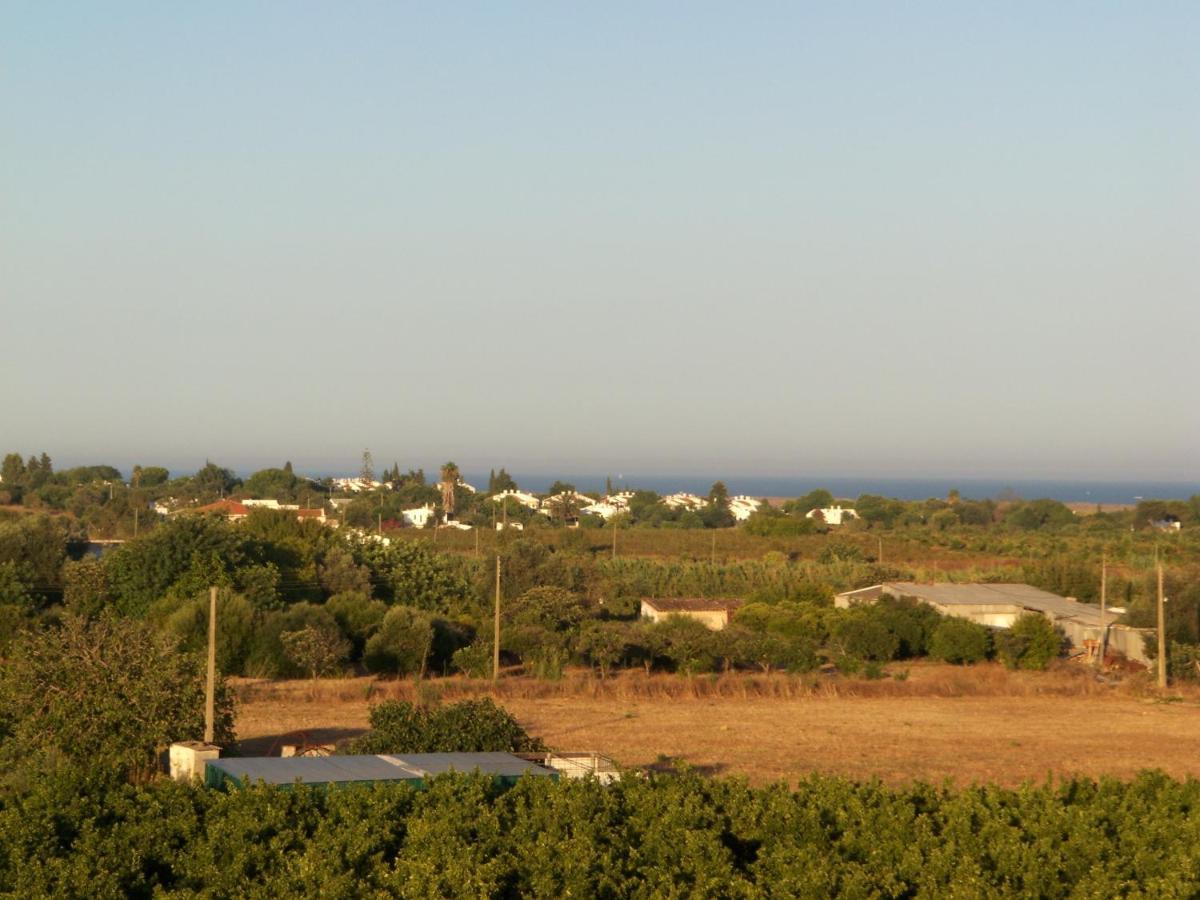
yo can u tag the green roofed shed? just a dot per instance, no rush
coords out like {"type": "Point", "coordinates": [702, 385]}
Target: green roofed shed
{"type": "Point", "coordinates": [332, 771]}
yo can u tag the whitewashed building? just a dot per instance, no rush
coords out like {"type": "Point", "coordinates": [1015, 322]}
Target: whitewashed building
{"type": "Point", "coordinates": [743, 507]}
{"type": "Point", "coordinates": [832, 515]}
{"type": "Point", "coordinates": [419, 517]}
{"type": "Point", "coordinates": [527, 500]}
{"type": "Point", "coordinates": [356, 485]}
{"type": "Point", "coordinates": [688, 501]}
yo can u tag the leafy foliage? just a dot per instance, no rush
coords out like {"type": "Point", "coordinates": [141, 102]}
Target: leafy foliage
{"type": "Point", "coordinates": [402, 644]}
{"type": "Point", "coordinates": [315, 649]}
{"type": "Point", "coordinates": [468, 726]}
{"type": "Point", "coordinates": [660, 836]}
{"type": "Point", "coordinates": [960, 641]}
{"type": "Point", "coordinates": [1031, 643]}
{"type": "Point", "coordinates": [101, 695]}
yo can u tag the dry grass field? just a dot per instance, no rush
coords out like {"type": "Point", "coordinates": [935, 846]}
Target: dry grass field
{"type": "Point", "coordinates": [943, 722]}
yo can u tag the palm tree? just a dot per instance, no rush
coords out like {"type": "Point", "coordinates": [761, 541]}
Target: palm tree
{"type": "Point", "coordinates": [450, 476]}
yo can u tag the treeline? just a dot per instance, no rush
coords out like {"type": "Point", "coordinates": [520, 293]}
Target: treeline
{"type": "Point", "coordinates": [301, 600]}
{"type": "Point", "coordinates": [106, 505]}
{"type": "Point", "coordinates": [666, 835]}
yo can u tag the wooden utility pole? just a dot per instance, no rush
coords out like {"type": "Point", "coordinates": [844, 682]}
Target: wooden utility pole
{"type": "Point", "coordinates": [1162, 634]}
{"type": "Point", "coordinates": [476, 541]}
{"type": "Point", "coordinates": [210, 684]}
{"type": "Point", "coordinates": [712, 556]}
{"type": "Point", "coordinates": [496, 628]}
{"type": "Point", "coordinates": [612, 522]}
{"type": "Point", "coordinates": [1103, 610]}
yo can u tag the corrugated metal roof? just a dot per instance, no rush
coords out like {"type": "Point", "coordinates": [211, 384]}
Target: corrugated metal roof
{"type": "Point", "coordinates": [1024, 596]}
{"type": "Point", "coordinates": [316, 769]}
{"type": "Point", "coordinates": [411, 767]}
{"type": "Point", "coordinates": [499, 764]}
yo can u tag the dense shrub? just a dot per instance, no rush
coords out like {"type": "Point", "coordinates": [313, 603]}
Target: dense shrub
{"type": "Point", "coordinates": [401, 645]}
{"type": "Point", "coordinates": [316, 650]}
{"type": "Point", "coordinates": [960, 641]}
{"type": "Point", "coordinates": [358, 616]}
{"type": "Point", "coordinates": [267, 657]}
{"type": "Point", "coordinates": [1031, 643]}
{"type": "Point", "coordinates": [1183, 661]}
{"type": "Point", "coordinates": [236, 624]}
{"type": "Point", "coordinates": [911, 621]}
{"type": "Point", "coordinates": [183, 557]}
{"type": "Point", "coordinates": [862, 634]}
{"type": "Point", "coordinates": [689, 644]}
{"type": "Point", "coordinates": [468, 726]}
{"type": "Point", "coordinates": [603, 644]}
{"type": "Point", "coordinates": [474, 660]}
{"type": "Point", "coordinates": [101, 696]}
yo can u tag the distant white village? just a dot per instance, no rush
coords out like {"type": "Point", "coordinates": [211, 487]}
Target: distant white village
{"type": "Point", "coordinates": [566, 505]}
{"type": "Point", "coordinates": [511, 507]}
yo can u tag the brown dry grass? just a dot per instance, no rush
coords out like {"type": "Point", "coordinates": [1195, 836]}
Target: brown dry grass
{"type": "Point", "coordinates": [967, 725]}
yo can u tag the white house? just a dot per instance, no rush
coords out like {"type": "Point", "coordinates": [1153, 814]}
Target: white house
{"type": "Point", "coordinates": [743, 507]}
{"type": "Point", "coordinates": [603, 509]}
{"type": "Point", "coordinates": [356, 485]}
{"type": "Point", "coordinates": [714, 614]}
{"type": "Point", "coordinates": [832, 515]}
{"type": "Point", "coordinates": [269, 504]}
{"type": "Point", "coordinates": [419, 517]}
{"type": "Point", "coordinates": [527, 500]}
{"type": "Point", "coordinates": [689, 501]}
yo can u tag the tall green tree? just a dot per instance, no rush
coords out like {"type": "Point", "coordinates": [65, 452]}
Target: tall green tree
{"type": "Point", "coordinates": [102, 695]}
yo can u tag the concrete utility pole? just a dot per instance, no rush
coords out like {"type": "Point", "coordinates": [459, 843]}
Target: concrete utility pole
{"type": "Point", "coordinates": [1162, 634]}
{"type": "Point", "coordinates": [496, 628]}
{"type": "Point", "coordinates": [210, 685]}
{"type": "Point", "coordinates": [879, 558]}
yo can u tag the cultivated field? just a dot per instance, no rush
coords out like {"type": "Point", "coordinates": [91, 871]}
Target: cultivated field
{"type": "Point", "coordinates": [943, 722]}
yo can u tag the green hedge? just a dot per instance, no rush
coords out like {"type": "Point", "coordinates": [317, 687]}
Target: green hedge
{"type": "Point", "coordinates": [669, 836]}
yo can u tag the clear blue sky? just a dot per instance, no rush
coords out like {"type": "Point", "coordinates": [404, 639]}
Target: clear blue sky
{"type": "Point", "coordinates": [898, 239]}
